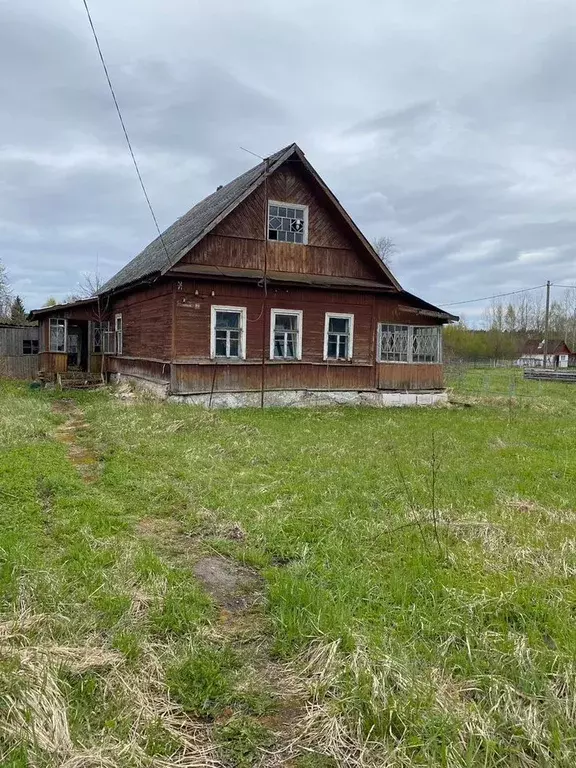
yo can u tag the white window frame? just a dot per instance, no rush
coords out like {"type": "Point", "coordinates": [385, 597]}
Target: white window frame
{"type": "Point", "coordinates": [103, 327]}
{"type": "Point", "coordinates": [341, 316]}
{"type": "Point", "coordinates": [410, 360]}
{"type": "Point", "coordinates": [119, 333]}
{"type": "Point", "coordinates": [243, 321]}
{"type": "Point", "coordinates": [287, 205]}
{"type": "Point", "coordinates": [298, 313]}
{"type": "Point", "coordinates": [60, 321]}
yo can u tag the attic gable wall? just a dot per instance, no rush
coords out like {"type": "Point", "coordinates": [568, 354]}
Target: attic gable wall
{"type": "Point", "coordinates": [332, 249]}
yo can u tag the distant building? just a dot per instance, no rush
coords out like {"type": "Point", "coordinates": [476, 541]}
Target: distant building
{"type": "Point", "coordinates": [558, 354]}
{"type": "Point", "coordinates": [18, 351]}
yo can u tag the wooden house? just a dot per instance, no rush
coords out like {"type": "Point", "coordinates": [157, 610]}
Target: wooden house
{"type": "Point", "coordinates": [18, 351]}
{"type": "Point", "coordinates": [266, 291]}
{"type": "Point", "coordinates": [558, 354]}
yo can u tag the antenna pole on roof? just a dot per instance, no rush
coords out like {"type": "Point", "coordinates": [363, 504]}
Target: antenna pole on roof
{"type": "Point", "coordinates": [546, 323]}
{"type": "Point", "coordinates": [252, 153]}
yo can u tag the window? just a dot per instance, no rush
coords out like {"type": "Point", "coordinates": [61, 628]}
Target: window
{"type": "Point", "coordinates": [287, 222]}
{"type": "Point", "coordinates": [101, 339]}
{"type": "Point", "coordinates": [119, 333]}
{"type": "Point", "coordinates": [409, 343]}
{"type": "Point", "coordinates": [426, 344]}
{"type": "Point", "coordinates": [30, 347]}
{"type": "Point", "coordinates": [394, 343]}
{"type": "Point", "coordinates": [338, 336]}
{"type": "Point", "coordinates": [286, 334]}
{"type": "Point", "coordinates": [57, 334]}
{"type": "Point", "coordinates": [228, 336]}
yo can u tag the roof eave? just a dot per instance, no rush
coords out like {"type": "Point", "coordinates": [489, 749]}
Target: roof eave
{"type": "Point", "coordinates": [57, 307]}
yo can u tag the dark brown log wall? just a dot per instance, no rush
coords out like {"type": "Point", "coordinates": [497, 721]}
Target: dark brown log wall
{"type": "Point", "coordinates": [192, 339]}
{"type": "Point", "coordinates": [193, 371]}
{"type": "Point", "coordinates": [147, 322]}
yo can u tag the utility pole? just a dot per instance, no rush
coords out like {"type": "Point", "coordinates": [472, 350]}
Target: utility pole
{"type": "Point", "coordinates": [546, 323]}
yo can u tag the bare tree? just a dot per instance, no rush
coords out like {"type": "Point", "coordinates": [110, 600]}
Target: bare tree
{"type": "Point", "coordinates": [90, 284]}
{"type": "Point", "coordinates": [88, 287]}
{"type": "Point", "coordinates": [5, 293]}
{"type": "Point", "coordinates": [385, 248]}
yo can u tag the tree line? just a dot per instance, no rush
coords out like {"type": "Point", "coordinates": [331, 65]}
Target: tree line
{"type": "Point", "coordinates": [12, 308]}
{"type": "Point", "coordinates": [506, 326]}
{"type": "Point", "coordinates": [13, 311]}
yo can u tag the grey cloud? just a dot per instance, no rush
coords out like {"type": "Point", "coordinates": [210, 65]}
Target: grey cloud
{"type": "Point", "coordinates": [447, 129]}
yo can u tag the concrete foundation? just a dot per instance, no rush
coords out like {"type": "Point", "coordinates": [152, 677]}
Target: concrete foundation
{"type": "Point", "coordinates": [310, 399]}
{"type": "Point", "coordinates": [288, 398]}
{"type": "Point", "coordinates": [157, 389]}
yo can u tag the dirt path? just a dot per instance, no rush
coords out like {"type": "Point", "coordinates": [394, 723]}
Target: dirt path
{"type": "Point", "coordinates": [82, 458]}
{"type": "Point", "coordinates": [239, 592]}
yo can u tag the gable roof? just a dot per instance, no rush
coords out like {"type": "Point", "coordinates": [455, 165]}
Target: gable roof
{"type": "Point", "coordinates": [165, 252]}
{"type": "Point", "coordinates": [536, 347]}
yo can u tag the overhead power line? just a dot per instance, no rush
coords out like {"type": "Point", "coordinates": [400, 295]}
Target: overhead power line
{"type": "Point", "coordinates": [128, 142]}
{"type": "Point", "coordinates": [494, 296]}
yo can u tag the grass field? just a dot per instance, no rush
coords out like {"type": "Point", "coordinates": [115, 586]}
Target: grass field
{"type": "Point", "coordinates": [309, 588]}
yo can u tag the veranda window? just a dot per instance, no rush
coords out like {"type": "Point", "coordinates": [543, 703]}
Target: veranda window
{"type": "Point", "coordinates": [102, 339]}
{"type": "Point", "coordinates": [427, 344]}
{"type": "Point", "coordinates": [228, 337]}
{"type": "Point", "coordinates": [58, 334]}
{"type": "Point", "coordinates": [394, 343]}
{"type": "Point", "coordinates": [286, 334]}
{"type": "Point", "coordinates": [338, 336]}
{"type": "Point", "coordinates": [409, 343]}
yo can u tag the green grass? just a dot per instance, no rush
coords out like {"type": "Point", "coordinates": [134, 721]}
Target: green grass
{"type": "Point", "coordinates": [424, 629]}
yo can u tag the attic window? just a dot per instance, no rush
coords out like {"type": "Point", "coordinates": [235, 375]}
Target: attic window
{"type": "Point", "coordinates": [287, 222]}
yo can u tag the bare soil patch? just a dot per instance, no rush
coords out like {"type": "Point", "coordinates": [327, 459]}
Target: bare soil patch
{"type": "Point", "coordinates": [85, 461]}
{"type": "Point", "coordinates": [232, 586]}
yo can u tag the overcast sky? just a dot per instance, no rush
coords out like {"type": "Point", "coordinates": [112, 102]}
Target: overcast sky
{"type": "Point", "coordinates": [449, 126]}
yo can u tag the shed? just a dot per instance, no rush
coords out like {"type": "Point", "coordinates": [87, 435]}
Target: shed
{"type": "Point", "coordinates": [18, 351]}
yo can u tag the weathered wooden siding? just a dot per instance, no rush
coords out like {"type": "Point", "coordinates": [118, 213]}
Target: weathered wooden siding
{"type": "Point", "coordinates": [53, 362]}
{"type": "Point", "coordinates": [14, 364]}
{"type": "Point", "coordinates": [391, 310]}
{"type": "Point", "coordinates": [236, 377]}
{"type": "Point", "coordinates": [147, 322]}
{"type": "Point", "coordinates": [144, 369]}
{"type": "Point", "coordinates": [410, 376]}
{"type": "Point", "coordinates": [18, 366]}
{"type": "Point", "coordinates": [12, 339]}
{"type": "Point", "coordinates": [96, 363]}
{"type": "Point", "coordinates": [241, 239]}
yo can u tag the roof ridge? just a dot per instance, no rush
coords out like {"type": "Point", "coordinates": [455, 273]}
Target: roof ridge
{"type": "Point", "coordinates": [195, 223]}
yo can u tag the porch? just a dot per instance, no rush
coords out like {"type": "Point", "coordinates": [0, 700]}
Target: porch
{"type": "Point", "coordinates": [71, 347]}
{"type": "Point", "coordinates": [74, 341]}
